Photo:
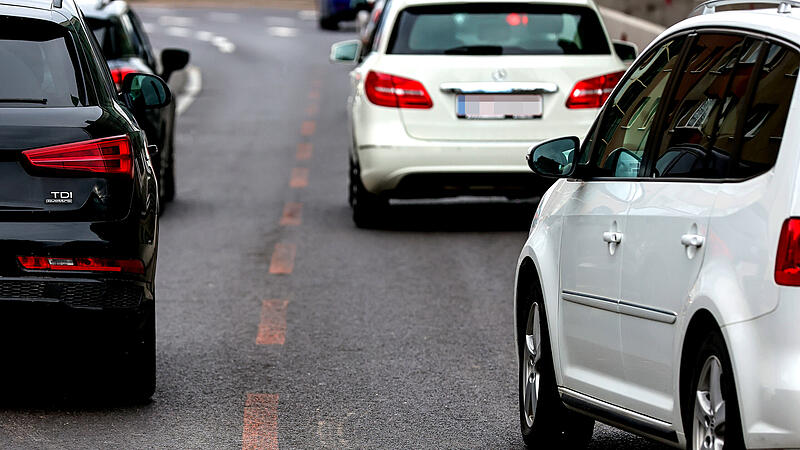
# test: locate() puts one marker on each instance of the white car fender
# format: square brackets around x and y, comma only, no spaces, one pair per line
[543,248]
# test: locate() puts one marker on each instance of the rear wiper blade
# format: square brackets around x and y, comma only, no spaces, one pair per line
[475,50]
[41,101]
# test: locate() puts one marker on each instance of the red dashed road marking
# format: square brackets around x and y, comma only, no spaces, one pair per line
[272,329]
[260,430]
[308,128]
[304,150]
[312,110]
[292,214]
[282,259]
[313,94]
[299,177]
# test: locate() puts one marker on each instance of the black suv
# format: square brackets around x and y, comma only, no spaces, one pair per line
[127,49]
[78,193]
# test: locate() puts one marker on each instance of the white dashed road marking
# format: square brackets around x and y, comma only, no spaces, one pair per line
[194,84]
[282,31]
[175,21]
[223,44]
[178,31]
[182,27]
[205,36]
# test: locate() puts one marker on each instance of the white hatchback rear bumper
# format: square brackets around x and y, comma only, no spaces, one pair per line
[384,167]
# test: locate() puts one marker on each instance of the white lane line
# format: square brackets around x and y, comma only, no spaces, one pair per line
[205,36]
[282,31]
[307,14]
[224,17]
[150,28]
[223,44]
[175,21]
[194,84]
[178,31]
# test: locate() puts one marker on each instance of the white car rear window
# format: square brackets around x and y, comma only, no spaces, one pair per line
[498,29]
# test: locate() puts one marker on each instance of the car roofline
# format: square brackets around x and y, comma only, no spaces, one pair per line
[407,3]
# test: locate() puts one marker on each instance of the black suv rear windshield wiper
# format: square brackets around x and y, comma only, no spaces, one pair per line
[475,50]
[41,101]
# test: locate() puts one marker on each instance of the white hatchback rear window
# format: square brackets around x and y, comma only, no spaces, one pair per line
[498,29]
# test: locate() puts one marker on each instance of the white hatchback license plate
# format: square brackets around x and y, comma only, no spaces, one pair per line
[499,106]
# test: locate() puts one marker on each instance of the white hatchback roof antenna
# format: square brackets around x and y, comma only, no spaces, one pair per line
[710,7]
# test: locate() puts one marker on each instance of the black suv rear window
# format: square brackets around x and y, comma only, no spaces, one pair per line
[498,29]
[38,65]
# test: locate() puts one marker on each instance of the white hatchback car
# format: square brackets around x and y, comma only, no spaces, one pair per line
[659,289]
[453,92]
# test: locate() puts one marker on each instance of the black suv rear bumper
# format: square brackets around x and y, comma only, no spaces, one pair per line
[73,293]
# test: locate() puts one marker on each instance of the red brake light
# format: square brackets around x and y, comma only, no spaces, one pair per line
[594,92]
[118,74]
[787,262]
[82,264]
[109,155]
[396,92]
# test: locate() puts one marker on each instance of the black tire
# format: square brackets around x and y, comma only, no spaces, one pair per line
[369,209]
[713,347]
[551,425]
[328,23]
[142,361]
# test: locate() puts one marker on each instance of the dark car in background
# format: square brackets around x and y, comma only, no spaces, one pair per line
[127,49]
[331,12]
[78,198]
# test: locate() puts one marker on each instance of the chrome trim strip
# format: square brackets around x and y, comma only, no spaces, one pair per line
[646,312]
[621,307]
[502,87]
[618,416]
[591,301]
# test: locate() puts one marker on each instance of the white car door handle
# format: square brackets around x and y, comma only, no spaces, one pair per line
[612,237]
[692,240]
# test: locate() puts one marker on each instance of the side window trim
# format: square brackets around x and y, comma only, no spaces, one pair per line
[647,170]
[749,96]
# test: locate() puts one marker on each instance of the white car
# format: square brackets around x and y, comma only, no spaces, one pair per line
[659,289]
[452,93]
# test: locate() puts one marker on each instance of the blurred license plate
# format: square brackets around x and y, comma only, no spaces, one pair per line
[487,106]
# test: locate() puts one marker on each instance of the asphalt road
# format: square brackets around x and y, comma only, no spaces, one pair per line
[392,338]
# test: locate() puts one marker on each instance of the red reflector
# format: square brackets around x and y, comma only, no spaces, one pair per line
[594,92]
[119,73]
[396,92]
[787,262]
[82,264]
[110,155]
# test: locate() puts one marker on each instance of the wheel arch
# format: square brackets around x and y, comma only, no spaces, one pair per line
[702,323]
[529,285]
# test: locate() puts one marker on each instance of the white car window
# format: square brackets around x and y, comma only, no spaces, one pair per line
[489,29]
[628,118]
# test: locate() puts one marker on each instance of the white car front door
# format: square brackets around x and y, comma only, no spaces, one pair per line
[595,240]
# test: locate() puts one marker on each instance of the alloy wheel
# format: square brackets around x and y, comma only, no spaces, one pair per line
[709,408]
[531,367]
